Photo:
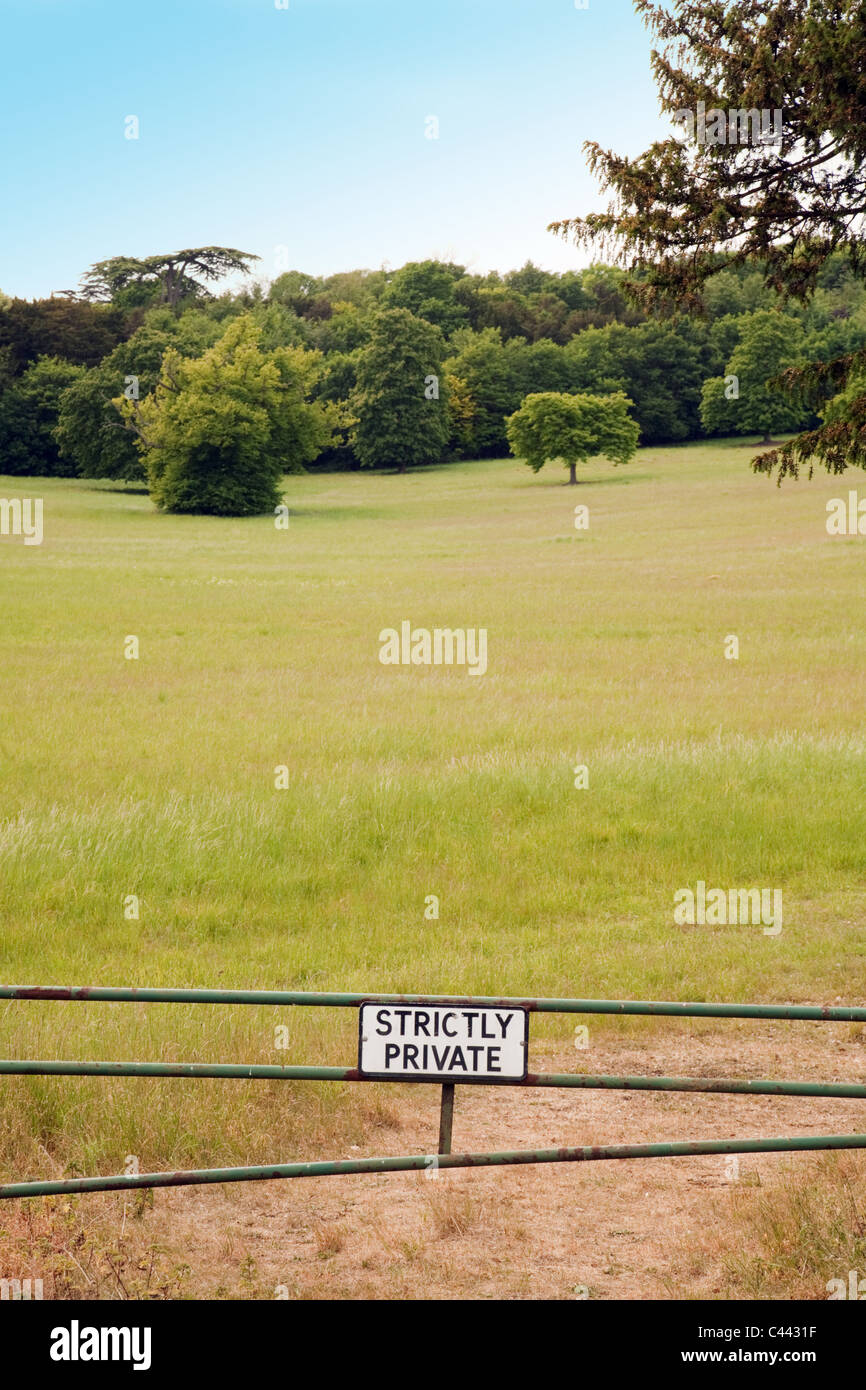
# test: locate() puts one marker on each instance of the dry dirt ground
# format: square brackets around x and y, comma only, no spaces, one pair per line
[608,1230]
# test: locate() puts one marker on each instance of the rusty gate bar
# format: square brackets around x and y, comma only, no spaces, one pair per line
[410,1162]
[87,993]
[251,1071]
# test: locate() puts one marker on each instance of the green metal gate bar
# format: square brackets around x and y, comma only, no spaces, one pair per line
[407,1163]
[87,993]
[444,1159]
[581,1080]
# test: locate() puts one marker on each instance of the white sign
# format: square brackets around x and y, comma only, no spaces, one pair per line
[443,1042]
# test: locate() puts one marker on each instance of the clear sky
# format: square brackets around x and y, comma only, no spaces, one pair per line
[305,128]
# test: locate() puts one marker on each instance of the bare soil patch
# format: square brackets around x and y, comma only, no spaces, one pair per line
[636,1229]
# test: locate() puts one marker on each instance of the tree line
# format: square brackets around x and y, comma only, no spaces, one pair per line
[143,370]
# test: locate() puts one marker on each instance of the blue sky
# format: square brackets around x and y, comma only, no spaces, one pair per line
[305,127]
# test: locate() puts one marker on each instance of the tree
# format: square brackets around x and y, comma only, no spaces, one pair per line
[348,328]
[743,401]
[489,371]
[165,279]
[786,204]
[530,279]
[219,431]
[541,366]
[839,406]
[90,428]
[90,431]
[77,332]
[401,396]
[295,288]
[28,414]
[661,366]
[551,425]
[426,289]
[505,310]
[463,411]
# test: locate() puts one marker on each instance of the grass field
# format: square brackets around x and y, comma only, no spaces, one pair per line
[259,647]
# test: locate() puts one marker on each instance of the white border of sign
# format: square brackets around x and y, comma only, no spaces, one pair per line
[435,1048]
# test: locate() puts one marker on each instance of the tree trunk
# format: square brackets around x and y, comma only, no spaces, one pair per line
[572,474]
[766,439]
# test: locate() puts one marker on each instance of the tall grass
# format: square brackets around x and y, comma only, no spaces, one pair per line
[259,648]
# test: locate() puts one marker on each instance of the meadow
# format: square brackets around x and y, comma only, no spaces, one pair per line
[259,649]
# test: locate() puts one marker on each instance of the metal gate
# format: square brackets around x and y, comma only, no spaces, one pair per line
[444,1158]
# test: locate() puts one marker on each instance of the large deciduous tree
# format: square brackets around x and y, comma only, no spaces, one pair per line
[682,208]
[489,377]
[401,397]
[219,431]
[90,428]
[29,411]
[426,289]
[77,332]
[743,401]
[551,426]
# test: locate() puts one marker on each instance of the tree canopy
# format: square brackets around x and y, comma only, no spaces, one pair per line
[743,401]
[551,426]
[400,399]
[554,332]
[786,205]
[219,431]
[164,279]
[28,415]
[734,74]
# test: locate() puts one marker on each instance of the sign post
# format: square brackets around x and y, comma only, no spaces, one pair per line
[446,1118]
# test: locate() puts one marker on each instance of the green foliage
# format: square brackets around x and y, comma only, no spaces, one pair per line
[90,429]
[165,279]
[400,422]
[787,204]
[281,327]
[426,289]
[551,425]
[90,432]
[363,288]
[769,342]
[839,406]
[28,415]
[790,205]
[347,328]
[491,379]
[294,288]
[503,337]
[79,333]
[219,431]
[661,365]
[737,290]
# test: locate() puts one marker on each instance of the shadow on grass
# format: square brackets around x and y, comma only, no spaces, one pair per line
[606,480]
[135,489]
[345,513]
